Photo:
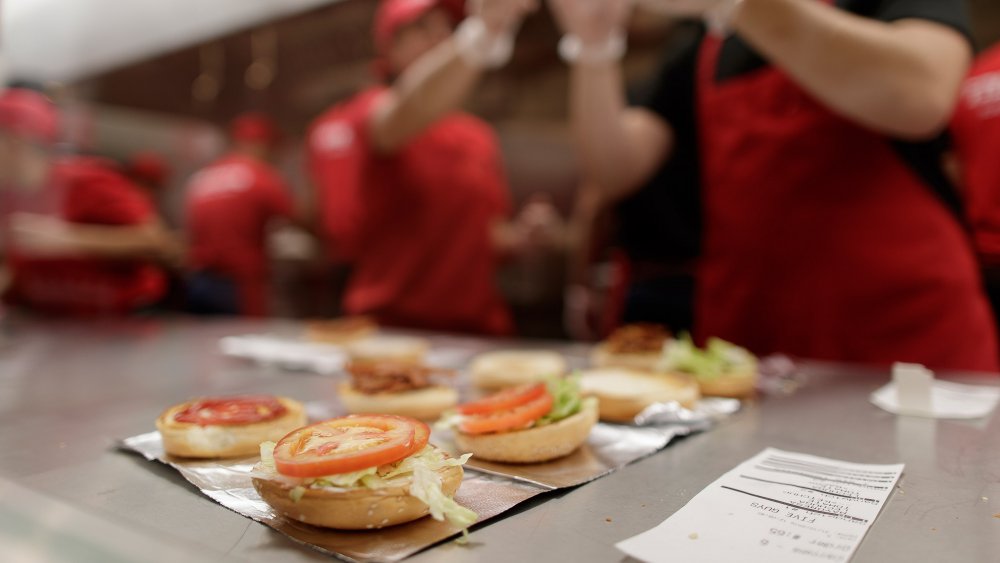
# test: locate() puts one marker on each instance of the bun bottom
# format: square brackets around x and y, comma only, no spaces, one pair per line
[354,509]
[624,393]
[737,385]
[422,404]
[185,439]
[533,445]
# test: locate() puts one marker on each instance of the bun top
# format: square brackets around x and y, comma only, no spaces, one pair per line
[513,367]
[628,383]
[399,348]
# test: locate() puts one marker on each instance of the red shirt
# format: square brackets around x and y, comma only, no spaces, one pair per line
[90,192]
[422,233]
[229,205]
[976,132]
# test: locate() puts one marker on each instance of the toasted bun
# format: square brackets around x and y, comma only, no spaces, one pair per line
[186,439]
[423,404]
[353,509]
[507,368]
[738,384]
[534,444]
[340,331]
[602,357]
[398,348]
[624,393]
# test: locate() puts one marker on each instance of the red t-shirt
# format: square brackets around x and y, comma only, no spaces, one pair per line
[90,192]
[229,205]
[976,131]
[424,252]
[336,160]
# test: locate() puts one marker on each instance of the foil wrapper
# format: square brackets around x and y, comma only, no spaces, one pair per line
[610,446]
[228,483]
[294,354]
[705,413]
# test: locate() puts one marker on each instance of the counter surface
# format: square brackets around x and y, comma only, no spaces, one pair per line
[68,392]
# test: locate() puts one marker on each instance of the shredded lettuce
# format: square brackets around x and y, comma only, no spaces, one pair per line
[449,420]
[267,456]
[566,400]
[426,486]
[422,468]
[347,480]
[718,358]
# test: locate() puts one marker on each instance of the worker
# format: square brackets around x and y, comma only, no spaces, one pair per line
[824,234]
[412,190]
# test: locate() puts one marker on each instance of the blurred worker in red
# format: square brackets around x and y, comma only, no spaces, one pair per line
[149,171]
[975,164]
[412,190]
[229,207]
[827,230]
[82,239]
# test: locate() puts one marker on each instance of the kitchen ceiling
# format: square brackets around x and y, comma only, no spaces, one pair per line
[68,40]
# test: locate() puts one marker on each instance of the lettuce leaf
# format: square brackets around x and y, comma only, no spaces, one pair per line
[267,456]
[718,357]
[422,468]
[566,399]
[426,486]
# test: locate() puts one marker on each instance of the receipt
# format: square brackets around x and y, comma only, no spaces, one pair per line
[776,507]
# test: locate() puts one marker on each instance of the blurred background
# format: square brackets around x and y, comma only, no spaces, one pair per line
[168,78]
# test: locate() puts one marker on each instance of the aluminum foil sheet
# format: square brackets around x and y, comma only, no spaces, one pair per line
[610,446]
[228,483]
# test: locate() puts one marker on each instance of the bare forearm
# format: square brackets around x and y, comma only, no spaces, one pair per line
[144,241]
[582,227]
[898,78]
[434,85]
[597,109]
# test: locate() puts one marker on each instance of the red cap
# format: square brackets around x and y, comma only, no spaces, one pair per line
[29,114]
[254,128]
[147,168]
[395,14]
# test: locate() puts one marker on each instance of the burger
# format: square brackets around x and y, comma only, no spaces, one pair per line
[722,369]
[361,472]
[529,423]
[394,387]
[635,346]
[218,427]
[623,393]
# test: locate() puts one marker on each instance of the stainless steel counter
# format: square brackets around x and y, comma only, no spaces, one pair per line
[69,391]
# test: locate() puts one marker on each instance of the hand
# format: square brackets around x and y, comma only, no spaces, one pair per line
[540,224]
[501,17]
[581,312]
[593,21]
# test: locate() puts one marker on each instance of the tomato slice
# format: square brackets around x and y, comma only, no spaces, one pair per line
[232,410]
[349,443]
[513,419]
[505,400]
